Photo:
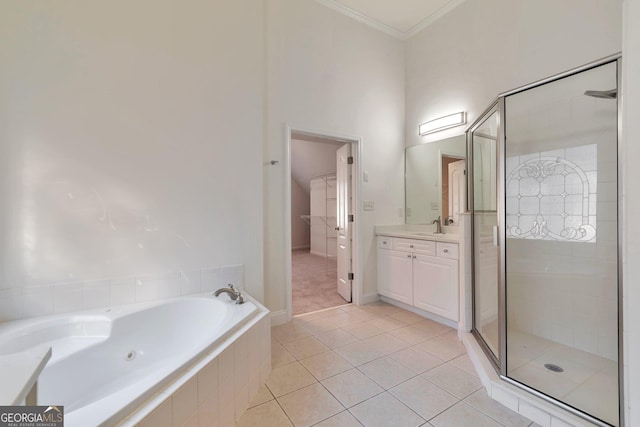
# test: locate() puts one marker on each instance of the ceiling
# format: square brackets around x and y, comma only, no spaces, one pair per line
[399,18]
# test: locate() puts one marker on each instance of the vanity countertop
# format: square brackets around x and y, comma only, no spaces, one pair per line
[418,232]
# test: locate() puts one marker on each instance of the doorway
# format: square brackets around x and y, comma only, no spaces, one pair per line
[453,188]
[321,203]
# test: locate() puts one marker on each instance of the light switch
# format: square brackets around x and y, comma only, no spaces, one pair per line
[368,205]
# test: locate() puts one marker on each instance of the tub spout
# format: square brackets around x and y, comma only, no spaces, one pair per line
[233,294]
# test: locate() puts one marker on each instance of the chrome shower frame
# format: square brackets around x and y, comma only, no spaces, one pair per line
[500,361]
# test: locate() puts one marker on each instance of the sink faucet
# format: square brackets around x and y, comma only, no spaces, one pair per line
[438,225]
[233,294]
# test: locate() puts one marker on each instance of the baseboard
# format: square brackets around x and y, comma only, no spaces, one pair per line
[279,317]
[451,323]
[322,254]
[369,298]
[301,248]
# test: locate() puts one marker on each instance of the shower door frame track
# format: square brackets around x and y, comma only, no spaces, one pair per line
[500,364]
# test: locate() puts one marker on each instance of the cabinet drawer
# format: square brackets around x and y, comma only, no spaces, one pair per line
[418,246]
[384,242]
[447,250]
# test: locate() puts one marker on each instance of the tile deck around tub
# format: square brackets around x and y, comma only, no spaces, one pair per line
[373,365]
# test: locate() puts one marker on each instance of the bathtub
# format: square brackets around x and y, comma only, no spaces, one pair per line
[107,362]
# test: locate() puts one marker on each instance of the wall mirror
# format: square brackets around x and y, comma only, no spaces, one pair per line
[435,184]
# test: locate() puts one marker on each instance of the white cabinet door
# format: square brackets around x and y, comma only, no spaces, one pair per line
[435,289]
[395,275]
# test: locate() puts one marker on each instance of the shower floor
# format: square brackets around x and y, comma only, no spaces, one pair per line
[588,382]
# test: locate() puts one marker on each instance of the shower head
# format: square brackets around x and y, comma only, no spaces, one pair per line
[605,94]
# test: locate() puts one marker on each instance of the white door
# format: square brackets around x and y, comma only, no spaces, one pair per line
[343,182]
[457,190]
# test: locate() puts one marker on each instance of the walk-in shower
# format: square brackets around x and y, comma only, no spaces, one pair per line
[543,185]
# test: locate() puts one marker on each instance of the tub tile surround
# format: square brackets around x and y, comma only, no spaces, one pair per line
[373,377]
[32,301]
[216,390]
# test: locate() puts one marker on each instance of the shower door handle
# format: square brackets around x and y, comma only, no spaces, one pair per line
[495,235]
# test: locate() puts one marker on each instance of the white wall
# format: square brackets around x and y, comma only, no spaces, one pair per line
[300,205]
[329,73]
[631,206]
[310,159]
[484,47]
[131,139]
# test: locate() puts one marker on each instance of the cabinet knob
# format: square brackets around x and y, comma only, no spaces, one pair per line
[414,257]
[409,256]
[411,246]
[446,251]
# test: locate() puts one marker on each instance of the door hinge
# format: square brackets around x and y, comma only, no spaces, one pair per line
[350,160]
[351,218]
[350,276]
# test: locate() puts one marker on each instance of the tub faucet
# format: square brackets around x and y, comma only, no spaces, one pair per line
[233,294]
[438,225]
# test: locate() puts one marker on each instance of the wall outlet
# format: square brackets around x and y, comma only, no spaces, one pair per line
[368,205]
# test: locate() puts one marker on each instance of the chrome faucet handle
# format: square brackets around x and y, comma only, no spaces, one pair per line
[240,299]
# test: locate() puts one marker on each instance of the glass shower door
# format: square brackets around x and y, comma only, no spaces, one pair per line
[483,145]
[561,243]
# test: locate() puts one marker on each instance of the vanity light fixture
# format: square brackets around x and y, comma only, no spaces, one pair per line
[442,123]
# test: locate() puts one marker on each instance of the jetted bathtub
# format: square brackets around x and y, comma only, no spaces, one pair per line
[106,362]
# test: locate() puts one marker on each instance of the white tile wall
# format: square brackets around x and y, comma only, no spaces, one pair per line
[33,301]
[210,280]
[67,298]
[190,282]
[218,391]
[146,288]
[232,274]
[169,285]
[97,294]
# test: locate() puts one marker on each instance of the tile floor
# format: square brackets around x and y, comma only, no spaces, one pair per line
[374,365]
[588,382]
[314,282]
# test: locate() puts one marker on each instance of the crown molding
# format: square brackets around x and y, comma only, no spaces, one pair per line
[338,7]
[354,14]
[432,18]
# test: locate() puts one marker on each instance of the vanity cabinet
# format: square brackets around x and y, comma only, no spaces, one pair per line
[420,273]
